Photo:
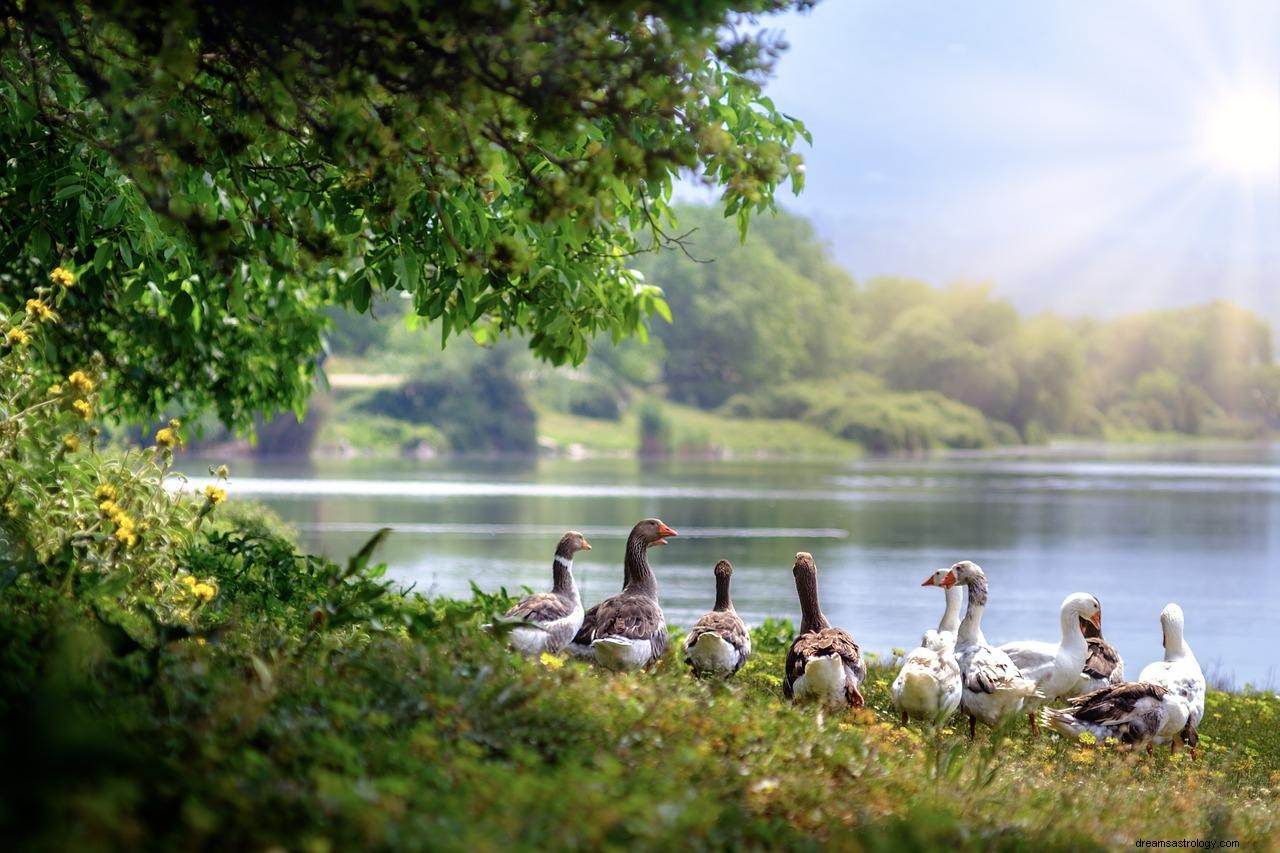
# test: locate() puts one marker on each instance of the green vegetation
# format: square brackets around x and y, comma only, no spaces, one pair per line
[769,336]
[216,175]
[173,673]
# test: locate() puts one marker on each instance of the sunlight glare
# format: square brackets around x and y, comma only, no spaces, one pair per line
[1241,135]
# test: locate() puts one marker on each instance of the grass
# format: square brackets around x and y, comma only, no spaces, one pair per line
[697,432]
[434,737]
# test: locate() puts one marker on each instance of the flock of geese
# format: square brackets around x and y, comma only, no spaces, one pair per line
[953,668]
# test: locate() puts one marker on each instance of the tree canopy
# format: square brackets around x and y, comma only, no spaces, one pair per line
[216,173]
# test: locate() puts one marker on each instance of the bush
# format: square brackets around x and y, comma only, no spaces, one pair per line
[479,409]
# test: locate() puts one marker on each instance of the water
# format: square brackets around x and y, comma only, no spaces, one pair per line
[1136,527]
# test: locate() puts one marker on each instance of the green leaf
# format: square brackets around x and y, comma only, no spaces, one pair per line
[181,306]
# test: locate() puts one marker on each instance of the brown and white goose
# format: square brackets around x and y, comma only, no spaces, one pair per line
[993,688]
[629,631]
[1103,666]
[1137,713]
[824,663]
[554,616]
[718,643]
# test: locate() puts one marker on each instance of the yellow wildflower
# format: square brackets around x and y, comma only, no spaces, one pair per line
[63,276]
[1084,756]
[223,472]
[109,507]
[201,641]
[204,592]
[215,495]
[106,492]
[166,438]
[83,409]
[55,389]
[71,442]
[10,508]
[174,423]
[1088,738]
[18,337]
[188,581]
[81,382]
[551,661]
[39,309]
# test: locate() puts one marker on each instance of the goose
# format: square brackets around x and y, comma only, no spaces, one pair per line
[928,685]
[629,630]
[554,616]
[1055,667]
[580,645]
[993,688]
[1103,667]
[824,663]
[718,643]
[1179,672]
[950,621]
[1133,713]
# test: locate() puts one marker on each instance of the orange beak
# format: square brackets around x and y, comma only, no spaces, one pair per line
[586,546]
[664,532]
[949,581]
[928,581]
[1097,620]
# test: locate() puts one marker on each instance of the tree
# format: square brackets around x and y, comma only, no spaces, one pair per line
[219,172]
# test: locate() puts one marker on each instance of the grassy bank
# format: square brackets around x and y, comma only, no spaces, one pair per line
[339,715]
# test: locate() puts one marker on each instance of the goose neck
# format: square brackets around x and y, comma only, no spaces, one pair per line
[951,612]
[811,616]
[636,574]
[723,601]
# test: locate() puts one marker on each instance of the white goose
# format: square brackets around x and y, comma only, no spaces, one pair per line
[1179,672]
[928,686]
[1137,713]
[1056,667]
[993,688]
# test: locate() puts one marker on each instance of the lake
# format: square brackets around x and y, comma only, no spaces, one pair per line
[1137,527]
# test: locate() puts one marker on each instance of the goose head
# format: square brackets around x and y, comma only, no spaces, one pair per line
[938,578]
[1085,607]
[723,569]
[1171,624]
[573,542]
[963,572]
[653,532]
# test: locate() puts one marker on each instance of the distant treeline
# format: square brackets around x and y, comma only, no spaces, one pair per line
[774,328]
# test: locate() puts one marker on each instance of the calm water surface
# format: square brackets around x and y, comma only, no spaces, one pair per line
[1136,527]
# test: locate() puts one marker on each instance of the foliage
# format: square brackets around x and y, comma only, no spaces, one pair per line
[654,429]
[101,528]
[751,316]
[480,409]
[218,173]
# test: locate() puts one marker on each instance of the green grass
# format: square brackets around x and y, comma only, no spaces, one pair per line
[698,432]
[432,736]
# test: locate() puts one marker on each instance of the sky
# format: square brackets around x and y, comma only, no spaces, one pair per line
[1084,157]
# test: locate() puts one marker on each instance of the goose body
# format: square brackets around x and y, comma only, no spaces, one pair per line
[1179,672]
[718,643]
[1055,667]
[824,664]
[553,617]
[992,686]
[1136,713]
[928,686]
[629,630]
[1103,666]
